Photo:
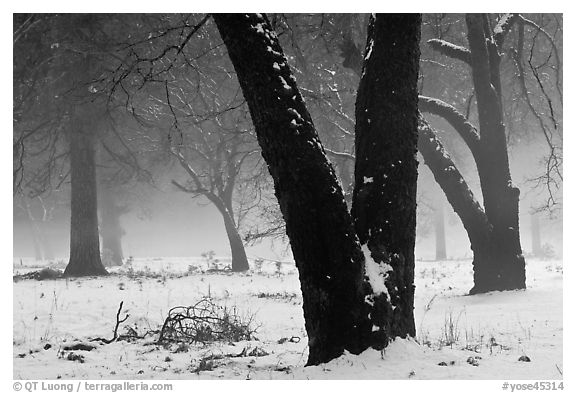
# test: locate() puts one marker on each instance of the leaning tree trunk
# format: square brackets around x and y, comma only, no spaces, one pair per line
[84,239]
[239,259]
[506,269]
[111,230]
[324,245]
[440,231]
[386,171]
[458,194]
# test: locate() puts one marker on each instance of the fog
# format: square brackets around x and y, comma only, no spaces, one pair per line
[172,224]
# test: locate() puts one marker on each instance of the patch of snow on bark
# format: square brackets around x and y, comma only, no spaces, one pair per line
[377,273]
[285,85]
[369,51]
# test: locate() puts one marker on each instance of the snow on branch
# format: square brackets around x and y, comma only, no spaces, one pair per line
[504,26]
[464,128]
[452,183]
[451,50]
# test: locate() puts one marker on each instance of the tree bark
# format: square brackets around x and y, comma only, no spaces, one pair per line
[386,171]
[323,242]
[111,230]
[446,173]
[84,239]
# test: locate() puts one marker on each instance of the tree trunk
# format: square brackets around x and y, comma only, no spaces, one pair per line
[506,270]
[440,231]
[324,245]
[84,239]
[458,194]
[386,171]
[445,172]
[239,259]
[111,230]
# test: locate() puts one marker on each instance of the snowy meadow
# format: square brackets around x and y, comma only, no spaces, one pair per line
[498,335]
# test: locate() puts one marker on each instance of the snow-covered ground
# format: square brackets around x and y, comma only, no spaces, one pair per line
[459,336]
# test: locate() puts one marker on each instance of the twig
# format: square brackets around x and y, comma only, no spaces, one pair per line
[118,322]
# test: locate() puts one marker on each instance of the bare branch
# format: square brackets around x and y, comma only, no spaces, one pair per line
[451,50]
[458,121]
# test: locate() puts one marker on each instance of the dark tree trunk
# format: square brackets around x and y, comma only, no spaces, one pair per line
[239,259]
[111,230]
[535,231]
[386,171]
[322,238]
[440,231]
[458,194]
[506,270]
[445,172]
[84,239]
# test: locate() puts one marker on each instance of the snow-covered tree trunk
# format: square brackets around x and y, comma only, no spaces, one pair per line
[386,171]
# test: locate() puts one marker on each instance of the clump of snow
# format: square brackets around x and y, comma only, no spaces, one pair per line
[368,180]
[369,51]
[259,28]
[285,85]
[377,273]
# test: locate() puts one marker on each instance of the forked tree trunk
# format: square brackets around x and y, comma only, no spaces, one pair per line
[84,240]
[338,302]
[386,171]
[440,231]
[506,269]
[111,230]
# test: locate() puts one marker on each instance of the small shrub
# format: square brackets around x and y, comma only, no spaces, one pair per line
[206,322]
